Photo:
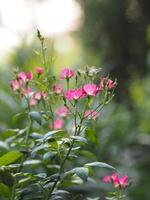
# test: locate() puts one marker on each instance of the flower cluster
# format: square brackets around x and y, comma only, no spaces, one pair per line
[118,182]
[21,85]
[89,90]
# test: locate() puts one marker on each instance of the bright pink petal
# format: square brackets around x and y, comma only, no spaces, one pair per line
[67,73]
[107,179]
[90,89]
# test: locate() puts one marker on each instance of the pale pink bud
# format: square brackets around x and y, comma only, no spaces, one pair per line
[111,84]
[58,88]
[38,96]
[15,85]
[39,70]
[44,95]
[67,73]
[33,102]
[26,91]
[90,89]
[91,114]
[62,112]
[105,81]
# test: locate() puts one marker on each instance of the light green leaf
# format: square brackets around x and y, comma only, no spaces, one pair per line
[9,133]
[79,138]
[99,164]
[10,157]
[49,135]
[24,103]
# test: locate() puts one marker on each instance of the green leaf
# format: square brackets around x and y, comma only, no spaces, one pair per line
[5,191]
[49,135]
[9,133]
[18,117]
[41,85]
[92,136]
[49,155]
[99,164]
[10,157]
[24,103]
[82,172]
[3,146]
[54,146]
[79,138]
[36,116]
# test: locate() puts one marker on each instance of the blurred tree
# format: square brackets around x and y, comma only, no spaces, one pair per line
[116,31]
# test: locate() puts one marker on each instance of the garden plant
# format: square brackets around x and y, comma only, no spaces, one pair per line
[39,160]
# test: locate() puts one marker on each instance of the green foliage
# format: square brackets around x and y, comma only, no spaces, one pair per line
[10,157]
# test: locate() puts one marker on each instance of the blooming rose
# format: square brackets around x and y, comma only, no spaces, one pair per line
[67,73]
[74,94]
[90,89]
[119,182]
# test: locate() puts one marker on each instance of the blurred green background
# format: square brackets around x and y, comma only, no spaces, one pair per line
[111,34]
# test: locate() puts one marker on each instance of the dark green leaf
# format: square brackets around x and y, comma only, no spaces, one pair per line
[36,116]
[4,191]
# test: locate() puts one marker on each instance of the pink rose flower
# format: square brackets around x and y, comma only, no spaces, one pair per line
[22,76]
[67,73]
[90,89]
[29,76]
[58,88]
[15,85]
[39,70]
[58,124]
[62,112]
[74,94]
[25,76]
[91,114]
[118,182]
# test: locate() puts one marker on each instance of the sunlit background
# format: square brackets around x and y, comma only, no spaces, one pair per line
[19,20]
